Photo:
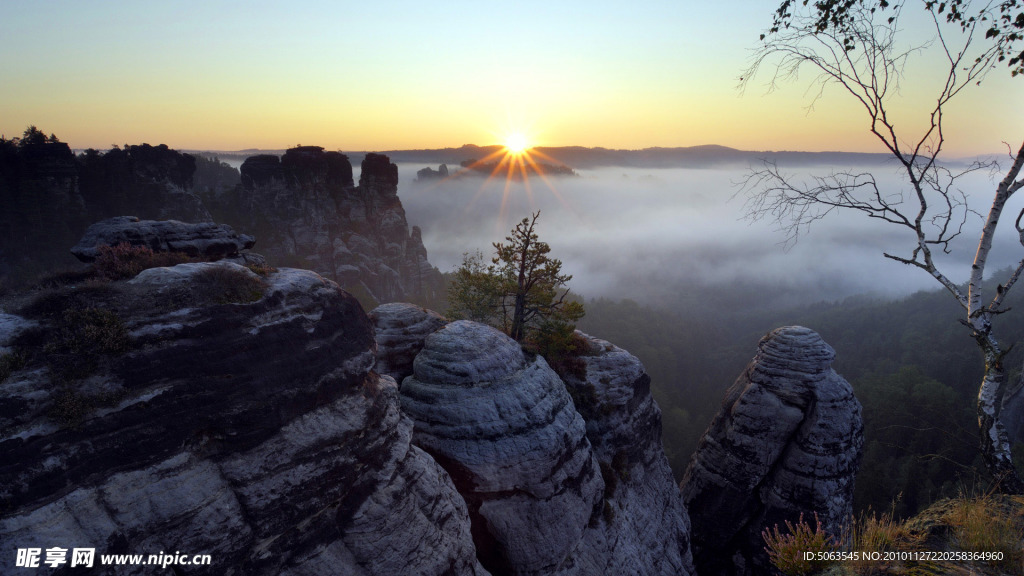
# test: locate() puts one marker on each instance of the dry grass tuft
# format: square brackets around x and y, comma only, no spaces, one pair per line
[787,548]
[126,260]
[990,524]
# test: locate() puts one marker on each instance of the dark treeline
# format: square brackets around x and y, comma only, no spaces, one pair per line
[48,195]
[913,367]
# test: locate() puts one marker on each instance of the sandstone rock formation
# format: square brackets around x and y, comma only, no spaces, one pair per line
[504,427]
[305,208]
[645,527]
[549,492]
[787,441]
[205,239]
[245,425]
[401,329]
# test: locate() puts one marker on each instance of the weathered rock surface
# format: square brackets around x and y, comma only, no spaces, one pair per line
[645,528]
[254,432]
[503,426]
[787,441]
[205,239]
[306,209]
[401,329]
[11,325]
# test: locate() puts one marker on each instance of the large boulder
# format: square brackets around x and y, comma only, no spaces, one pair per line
[244,424]
[787,442]
[204,239]
[503,426]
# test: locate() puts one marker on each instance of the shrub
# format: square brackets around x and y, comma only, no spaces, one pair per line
[786,548]
[9,363]
[52,304]
[226,285]
[125,260]
[65,277]
[69,408]
[81,338]
[561,346]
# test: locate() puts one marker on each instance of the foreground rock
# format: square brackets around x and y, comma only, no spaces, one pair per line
[240,423]
[205,239]
[787,442]
[504,427]
[644,527]
[549,491]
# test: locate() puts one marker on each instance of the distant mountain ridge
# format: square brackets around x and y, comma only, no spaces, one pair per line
[583,157]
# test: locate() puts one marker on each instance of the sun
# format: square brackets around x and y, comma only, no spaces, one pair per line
[516,143]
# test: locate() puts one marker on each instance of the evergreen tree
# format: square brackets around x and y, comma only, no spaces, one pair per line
[522,291]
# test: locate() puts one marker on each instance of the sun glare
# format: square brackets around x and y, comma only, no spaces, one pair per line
[520,165]
[516,143]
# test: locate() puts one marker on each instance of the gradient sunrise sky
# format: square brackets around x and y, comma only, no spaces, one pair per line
[395,75]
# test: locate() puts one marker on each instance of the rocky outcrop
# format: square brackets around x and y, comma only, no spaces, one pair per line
[787,442]
[549,491]
[306,209]
[243,424]
[504,427]
[400,331]
[205,239]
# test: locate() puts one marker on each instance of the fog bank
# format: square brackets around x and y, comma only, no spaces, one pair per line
[670,235]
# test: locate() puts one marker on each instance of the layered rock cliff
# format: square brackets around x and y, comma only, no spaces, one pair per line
[307,212]
[151,415]
[787,442]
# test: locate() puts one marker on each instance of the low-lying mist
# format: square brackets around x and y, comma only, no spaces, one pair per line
[677,236]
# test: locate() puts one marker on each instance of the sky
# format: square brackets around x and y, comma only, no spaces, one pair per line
[218,75]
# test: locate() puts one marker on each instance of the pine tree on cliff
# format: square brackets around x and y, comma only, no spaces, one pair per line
[521,292]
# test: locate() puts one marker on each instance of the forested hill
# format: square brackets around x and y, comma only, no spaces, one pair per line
[913,366]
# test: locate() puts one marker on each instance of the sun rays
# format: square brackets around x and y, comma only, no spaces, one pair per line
[516,162]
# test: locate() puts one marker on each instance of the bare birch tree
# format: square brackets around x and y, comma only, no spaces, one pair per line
[860,54]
